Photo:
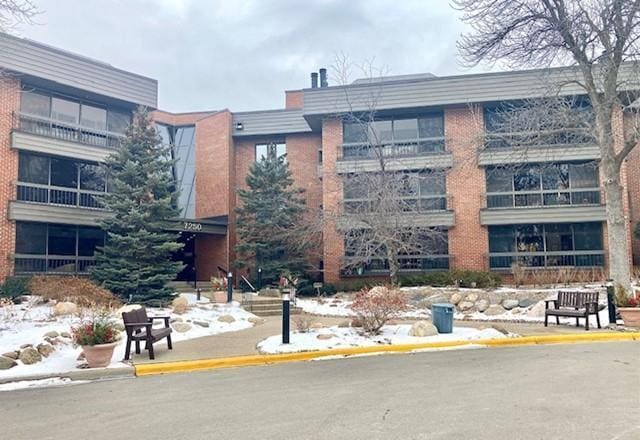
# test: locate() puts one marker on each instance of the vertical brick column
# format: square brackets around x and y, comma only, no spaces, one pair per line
[9,103]
[468,240]
[331,199]
[633,190]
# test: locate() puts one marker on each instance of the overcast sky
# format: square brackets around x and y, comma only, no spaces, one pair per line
[242,54]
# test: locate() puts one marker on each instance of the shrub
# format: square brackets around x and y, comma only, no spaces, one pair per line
[81,291]
[14,287]
[303,323]
[305,288]
[624,298]
[375,307]
[99,329]
[356,284]
[465,278]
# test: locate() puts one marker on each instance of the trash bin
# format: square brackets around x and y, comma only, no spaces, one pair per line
[442,315]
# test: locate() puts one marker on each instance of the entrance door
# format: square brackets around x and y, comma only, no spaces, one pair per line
[187,256]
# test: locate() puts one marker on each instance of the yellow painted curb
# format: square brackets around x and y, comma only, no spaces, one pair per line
[243,361]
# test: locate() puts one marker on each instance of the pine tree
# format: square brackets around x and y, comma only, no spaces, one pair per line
[135,262]
[270,220]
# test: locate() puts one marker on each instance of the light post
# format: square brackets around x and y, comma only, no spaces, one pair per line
[285,316]
[229,287]
[611,304]
[259,278]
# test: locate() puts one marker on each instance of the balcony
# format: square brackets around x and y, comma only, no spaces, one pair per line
[353,266]
[66,132]
[56,195]
[549,259]
[26,264]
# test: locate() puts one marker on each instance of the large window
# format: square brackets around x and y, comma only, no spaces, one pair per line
[60,181]
[546,245]
[263,150]
[394,137]
[42,247]
[412,191]
[543,185]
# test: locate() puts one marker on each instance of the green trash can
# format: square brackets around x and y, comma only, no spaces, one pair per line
[442,316]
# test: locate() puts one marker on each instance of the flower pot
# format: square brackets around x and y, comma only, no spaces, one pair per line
[99,355]
[630,316]
[220,296]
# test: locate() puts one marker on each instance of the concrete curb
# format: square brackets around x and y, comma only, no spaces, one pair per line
[86,374]
[244,361]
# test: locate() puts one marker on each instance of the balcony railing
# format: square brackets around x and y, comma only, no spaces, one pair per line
[27,264]
[424,204]
[549,259]
[65,131]
[56,195]
[352,266]
[408,148]
[556,197]
[546,138]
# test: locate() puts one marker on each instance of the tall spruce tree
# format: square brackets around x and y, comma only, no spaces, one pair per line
[135,262]
[270,220]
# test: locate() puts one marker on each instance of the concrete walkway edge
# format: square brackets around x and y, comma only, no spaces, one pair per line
[243,361]
[86,374]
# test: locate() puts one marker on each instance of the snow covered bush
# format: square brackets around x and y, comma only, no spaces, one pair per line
[81,291]
[375,307]
[303,323]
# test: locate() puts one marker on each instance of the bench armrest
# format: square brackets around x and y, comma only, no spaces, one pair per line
[134,325]
[165,318]
[547,301]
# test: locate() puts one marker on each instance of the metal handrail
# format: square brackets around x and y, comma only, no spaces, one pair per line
[77,192]
[448,198]
[394,148]
[582,138]
[597,201]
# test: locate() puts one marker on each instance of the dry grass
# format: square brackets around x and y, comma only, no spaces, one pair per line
[81,291]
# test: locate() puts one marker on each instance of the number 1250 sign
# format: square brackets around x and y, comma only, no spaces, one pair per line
[189,226]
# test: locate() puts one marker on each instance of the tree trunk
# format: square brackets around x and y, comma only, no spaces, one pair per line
[619,270]
[392,257]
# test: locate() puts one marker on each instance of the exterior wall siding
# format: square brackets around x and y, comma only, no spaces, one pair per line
[333,241]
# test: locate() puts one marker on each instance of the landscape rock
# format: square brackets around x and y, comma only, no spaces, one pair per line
[45,349]
[181,327]
[316,325]
[23,346]
[509,304]
[66,335]
[65,308]
[51,334]
[324,336]
[439,298]
[6,363]
[127,308]
[176,319]
[472,297]
[423,328]
[202,323]
[180,305]
[501,329]
[226,318]
[526,302]
[537,311]
[344,324]
[11,355]
[465,305]
[482,305]
[30,356]
[455,298]
[494,310]
[255,320]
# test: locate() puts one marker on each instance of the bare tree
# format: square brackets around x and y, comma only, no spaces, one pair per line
[599,38]
[13,12]
[384,200]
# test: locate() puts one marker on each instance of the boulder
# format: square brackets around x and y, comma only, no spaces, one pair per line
[324,336]
[455,298]
[501,329]
[30,356]
[255,320]
[510,303]
[537,311]
[316,325]
[45,349]
[344,324]
[526,302]
[65,308]
[423,328]
[11,355]
[494,310]
[180,305]
[201,323]
[23,346]
[482,305]
[226,318]
[66,335]
[176,319]
[439,298]
[465,305]
[6,363]
[51,334]
[472,297]
[181,327]
[127,308]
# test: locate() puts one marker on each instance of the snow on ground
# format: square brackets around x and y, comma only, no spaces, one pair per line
[525,315]
[40,383]
[342,307]
[351,337]
[27,324]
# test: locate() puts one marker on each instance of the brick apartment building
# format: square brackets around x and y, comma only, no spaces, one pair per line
[61,114]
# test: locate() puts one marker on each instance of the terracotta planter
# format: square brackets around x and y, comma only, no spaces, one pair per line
[630,316]
[98,355]
[220,296]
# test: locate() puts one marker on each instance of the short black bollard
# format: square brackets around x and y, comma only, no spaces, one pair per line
[611,302]
[198,294]
[285,318]
[259,278]
[229,287]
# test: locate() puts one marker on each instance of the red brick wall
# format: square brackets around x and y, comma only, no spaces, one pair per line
[9,102]
[331,199]
[468,240]
[180,118]
[633,188]
[293,99]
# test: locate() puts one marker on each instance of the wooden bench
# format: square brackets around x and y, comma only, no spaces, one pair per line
[573,304]
[139,327]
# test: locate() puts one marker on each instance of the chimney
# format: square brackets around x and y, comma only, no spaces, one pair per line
[323,77]
[314,80]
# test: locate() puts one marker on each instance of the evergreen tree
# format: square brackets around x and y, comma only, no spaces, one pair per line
[135,262]
[270,220]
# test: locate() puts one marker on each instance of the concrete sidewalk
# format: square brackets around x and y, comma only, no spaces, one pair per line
[244,342]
